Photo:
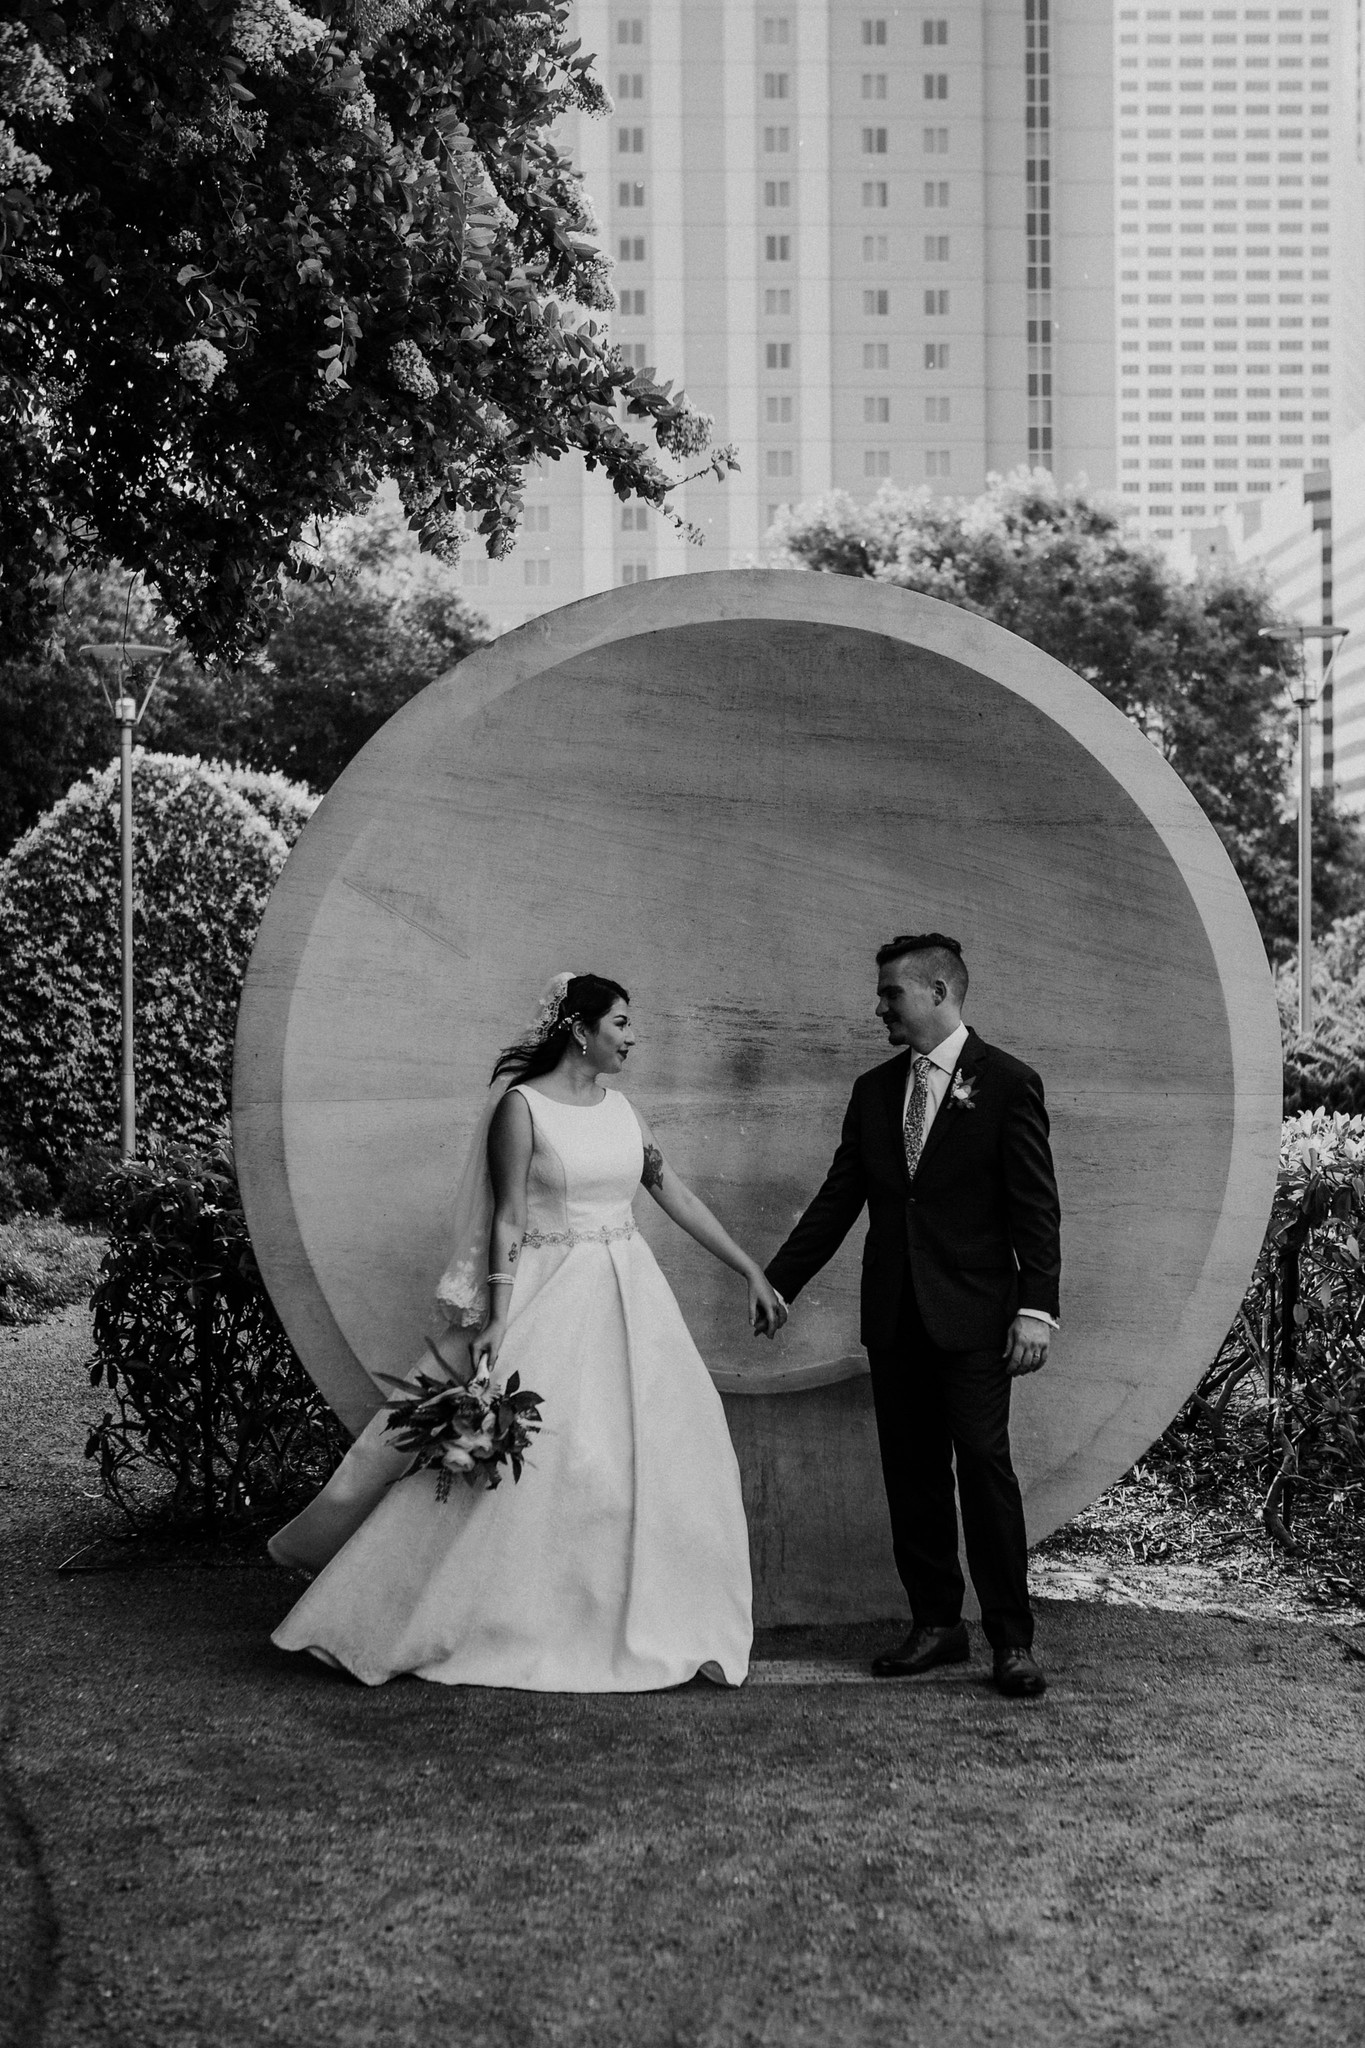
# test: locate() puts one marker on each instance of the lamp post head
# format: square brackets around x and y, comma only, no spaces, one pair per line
[119,655]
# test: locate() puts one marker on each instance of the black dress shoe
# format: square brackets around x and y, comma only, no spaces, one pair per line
[1017,1675]
[922,1649]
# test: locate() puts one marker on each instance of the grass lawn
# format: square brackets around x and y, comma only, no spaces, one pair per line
[206,1842]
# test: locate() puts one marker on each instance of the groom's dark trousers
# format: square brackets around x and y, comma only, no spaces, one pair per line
[950,1258]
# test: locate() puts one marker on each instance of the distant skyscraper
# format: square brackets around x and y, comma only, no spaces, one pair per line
[875,242]
[1241,258]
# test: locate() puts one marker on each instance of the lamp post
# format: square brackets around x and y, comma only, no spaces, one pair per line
[117,655]
[1296,635]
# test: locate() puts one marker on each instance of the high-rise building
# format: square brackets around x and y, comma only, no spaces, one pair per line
[1241,250]
[875,242]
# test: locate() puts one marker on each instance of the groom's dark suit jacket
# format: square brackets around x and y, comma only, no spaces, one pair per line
[978,1230]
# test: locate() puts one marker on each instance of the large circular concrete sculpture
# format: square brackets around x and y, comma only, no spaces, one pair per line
[725,791]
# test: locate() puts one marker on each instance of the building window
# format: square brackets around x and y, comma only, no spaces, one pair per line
[935,355]
[937,411]
[536,572]
[936,85]
[777,192]
[778,355]
[630,141]
[875,192]
[936,191]
[776,28]
[777,248]
[631,249]
[876,355]
[777,301]
[936,142]
[936,31]
[634,518]
[874,85]
[936,248]
[630,31]
[875,248]
[938,462]
[633,354]
[876,462]
[474,572]
[779,462]
[874,32]
[876,303]
[876,411]
[633,304]
[776,141]
[1038,226]
[779,411]
[630,85]
[537,519]
[874,142]
[935,303]
[630,195]
[635,572]
[776,85]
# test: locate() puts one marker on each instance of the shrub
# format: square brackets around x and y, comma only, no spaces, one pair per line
[214,1420]
[44,1265]
[1326,1070]
[206,854]
[1290,1377]
[88,1191]
[22,1187]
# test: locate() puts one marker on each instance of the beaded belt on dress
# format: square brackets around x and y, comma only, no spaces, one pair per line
[606,1233]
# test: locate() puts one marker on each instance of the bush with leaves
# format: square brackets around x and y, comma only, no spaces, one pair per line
[214,1421]
[1289,1381]
[257,256]
[1326,1069]
[208,846]
[24,1189]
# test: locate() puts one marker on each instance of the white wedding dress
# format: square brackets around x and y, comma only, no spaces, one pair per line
[620,1563]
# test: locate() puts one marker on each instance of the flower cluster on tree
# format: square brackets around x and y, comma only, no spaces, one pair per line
[257,256]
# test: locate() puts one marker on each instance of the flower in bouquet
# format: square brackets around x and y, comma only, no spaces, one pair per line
[466,1425]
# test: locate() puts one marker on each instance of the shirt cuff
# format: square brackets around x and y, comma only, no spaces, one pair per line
[1040,1315]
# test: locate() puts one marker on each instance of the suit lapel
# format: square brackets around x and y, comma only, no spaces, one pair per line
[949,1111]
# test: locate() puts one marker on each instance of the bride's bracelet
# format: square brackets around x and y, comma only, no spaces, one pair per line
[506,1279]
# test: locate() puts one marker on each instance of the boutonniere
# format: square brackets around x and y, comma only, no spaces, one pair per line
[963,1092]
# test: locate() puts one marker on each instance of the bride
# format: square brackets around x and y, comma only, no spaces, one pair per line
[621,1561]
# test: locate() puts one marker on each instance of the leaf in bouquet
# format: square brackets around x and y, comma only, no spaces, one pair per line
[513,1383]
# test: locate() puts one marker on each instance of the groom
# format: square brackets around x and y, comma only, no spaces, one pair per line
[947,1147]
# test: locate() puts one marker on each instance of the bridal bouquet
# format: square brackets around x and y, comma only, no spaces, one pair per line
[472,1427]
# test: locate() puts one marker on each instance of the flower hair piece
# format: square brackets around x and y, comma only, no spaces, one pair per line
[550,1006]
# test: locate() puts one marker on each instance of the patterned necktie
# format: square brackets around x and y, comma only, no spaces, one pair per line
[914,1112]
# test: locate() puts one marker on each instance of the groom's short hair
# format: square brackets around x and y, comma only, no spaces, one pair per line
[937,954]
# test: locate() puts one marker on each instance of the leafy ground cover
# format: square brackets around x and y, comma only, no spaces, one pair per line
[208,1843]
[45,1264]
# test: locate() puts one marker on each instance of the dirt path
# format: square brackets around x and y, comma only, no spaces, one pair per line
[208,1845]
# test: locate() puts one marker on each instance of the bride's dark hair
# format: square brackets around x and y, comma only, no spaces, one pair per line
[586,1000]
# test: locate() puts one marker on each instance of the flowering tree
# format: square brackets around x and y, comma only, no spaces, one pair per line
[256,256]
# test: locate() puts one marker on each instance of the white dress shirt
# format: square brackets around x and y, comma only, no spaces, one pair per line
[938,1077]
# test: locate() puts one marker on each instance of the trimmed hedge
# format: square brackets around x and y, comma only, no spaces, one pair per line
[209,842]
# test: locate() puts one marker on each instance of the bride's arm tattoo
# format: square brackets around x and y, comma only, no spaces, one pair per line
[653,1175]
